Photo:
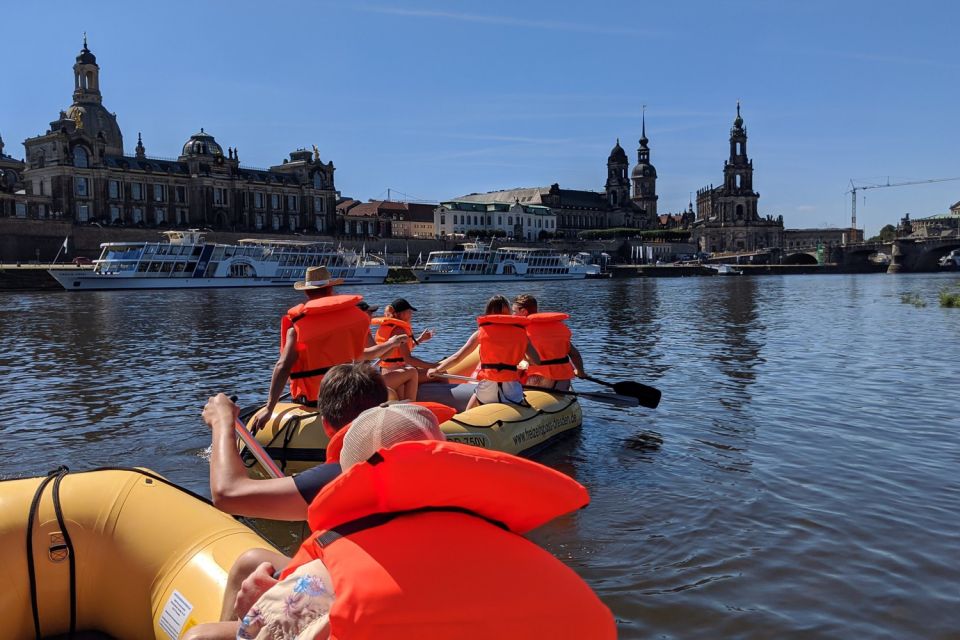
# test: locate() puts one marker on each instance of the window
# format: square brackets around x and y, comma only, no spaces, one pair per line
[159,193]
[291,203]
[510,220]
[276,220]
[83,212]
[114,189]
[80,158]
[274,201]
[292,222]
[159,216]
[258,200]
[181,216]
[219,196]
[21,210]
[114,213]
[180,193]
[136,191]
[499,219]
[319,205]
[443,219]
[137,215]
[81,186]
[318,180]
[41,210]
[321,224]
[258,223]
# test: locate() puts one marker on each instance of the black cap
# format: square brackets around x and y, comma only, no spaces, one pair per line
[401,304]
[363,306]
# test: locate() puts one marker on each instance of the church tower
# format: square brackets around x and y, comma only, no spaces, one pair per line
[645,176]
[740,202]
[618,186]
[86,77]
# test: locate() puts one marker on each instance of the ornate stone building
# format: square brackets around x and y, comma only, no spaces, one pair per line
[78,170]
[727,218]
[11,177]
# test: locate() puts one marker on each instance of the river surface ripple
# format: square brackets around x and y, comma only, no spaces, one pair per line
[800,478]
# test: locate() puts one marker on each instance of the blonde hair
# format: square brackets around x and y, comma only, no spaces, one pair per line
[388,312]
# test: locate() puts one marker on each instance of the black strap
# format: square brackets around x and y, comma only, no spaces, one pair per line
[55,475]
[298,317]
[299,375]
[377,519]
[563,360]
[503,324]
[391,359]
[499,366]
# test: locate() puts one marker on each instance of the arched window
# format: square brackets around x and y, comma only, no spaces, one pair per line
[81,158]
[317,180]
[738,181]
[739,212]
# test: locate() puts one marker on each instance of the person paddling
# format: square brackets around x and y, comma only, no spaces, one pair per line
[395,322]
[325,331]
[502,340]
[559,359]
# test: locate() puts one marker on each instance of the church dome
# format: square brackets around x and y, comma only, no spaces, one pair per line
[617,154]
[86,56]
[644,171]
[202,144]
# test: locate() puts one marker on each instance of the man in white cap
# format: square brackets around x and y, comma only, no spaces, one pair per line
[317,284]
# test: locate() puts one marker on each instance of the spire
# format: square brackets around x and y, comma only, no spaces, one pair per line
[85,41]
[738,123]
[141,152]
[643,131]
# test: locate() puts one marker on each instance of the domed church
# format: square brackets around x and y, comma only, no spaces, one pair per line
[79,170]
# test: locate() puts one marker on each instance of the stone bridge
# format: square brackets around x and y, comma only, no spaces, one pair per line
[907,255]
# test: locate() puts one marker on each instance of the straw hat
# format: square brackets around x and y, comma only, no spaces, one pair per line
[384,426]
[317,278]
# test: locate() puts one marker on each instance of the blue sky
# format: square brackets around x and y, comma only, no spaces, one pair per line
[437,99]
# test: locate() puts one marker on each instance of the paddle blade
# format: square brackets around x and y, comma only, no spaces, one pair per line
[608,398]
[646,395]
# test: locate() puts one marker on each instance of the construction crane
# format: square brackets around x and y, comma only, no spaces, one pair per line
[854,188]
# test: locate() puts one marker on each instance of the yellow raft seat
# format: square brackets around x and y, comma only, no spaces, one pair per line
[295,438]
[148,559]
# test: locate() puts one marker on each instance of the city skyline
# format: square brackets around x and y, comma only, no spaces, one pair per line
[421,116]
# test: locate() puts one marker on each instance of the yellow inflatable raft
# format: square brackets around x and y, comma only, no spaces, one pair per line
[294,437]
[123,552]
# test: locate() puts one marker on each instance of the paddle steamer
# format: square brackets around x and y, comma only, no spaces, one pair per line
[478,262]
[185,261]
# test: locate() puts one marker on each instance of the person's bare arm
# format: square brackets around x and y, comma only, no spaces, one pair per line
[577,361]
[278,379]
[374,352]
[409,358]
[231,489]
[456,358]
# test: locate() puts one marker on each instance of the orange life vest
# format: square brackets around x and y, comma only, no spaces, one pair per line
[503,342]
[423,520]
[551,338]
[330,331]
[393,359]
[335,446]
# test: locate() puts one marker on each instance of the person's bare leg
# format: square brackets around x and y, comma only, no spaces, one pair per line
[213,631]
[243,567]
[403,381]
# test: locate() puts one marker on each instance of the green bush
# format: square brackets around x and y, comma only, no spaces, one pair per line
[950,299]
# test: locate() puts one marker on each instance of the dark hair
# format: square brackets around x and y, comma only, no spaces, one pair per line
[526,302]
[348,390]
[497,305]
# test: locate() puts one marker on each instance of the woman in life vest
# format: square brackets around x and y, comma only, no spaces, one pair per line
[325,331]
[502,340]
[387,547]
[401,383]
[399,362]
[559,359]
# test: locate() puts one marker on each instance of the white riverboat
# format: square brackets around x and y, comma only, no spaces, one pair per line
[186,261]
[478,262]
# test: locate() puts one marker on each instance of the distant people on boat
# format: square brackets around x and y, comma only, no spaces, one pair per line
[378,563]
[559,359]
[325,331]
[502,342]
[395,322]
[348,390]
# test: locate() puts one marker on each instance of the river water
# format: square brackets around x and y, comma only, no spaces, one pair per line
[801,477]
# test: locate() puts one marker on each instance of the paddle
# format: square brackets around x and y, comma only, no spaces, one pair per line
[606,398]
[646,395]
[259,453]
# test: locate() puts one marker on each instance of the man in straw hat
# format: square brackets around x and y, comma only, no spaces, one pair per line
[316,284]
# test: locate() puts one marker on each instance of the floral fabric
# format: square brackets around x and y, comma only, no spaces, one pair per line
[296,608]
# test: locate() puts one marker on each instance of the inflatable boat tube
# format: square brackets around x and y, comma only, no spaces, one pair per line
[121,551]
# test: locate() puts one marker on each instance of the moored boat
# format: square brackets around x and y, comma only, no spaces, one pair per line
[478,262]
[186,261]
[123,550]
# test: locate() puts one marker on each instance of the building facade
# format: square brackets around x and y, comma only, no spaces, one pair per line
[462,219]
[727,218]
[811,239]
[11,181]
[78,170]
